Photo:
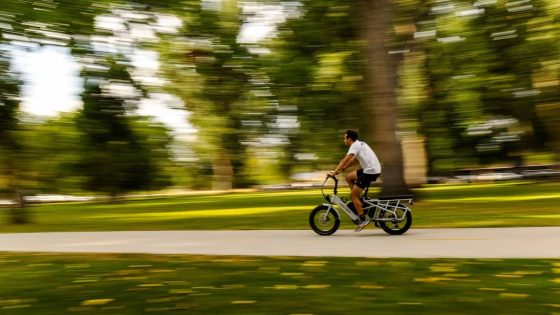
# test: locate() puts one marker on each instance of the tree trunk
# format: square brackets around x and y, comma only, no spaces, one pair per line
[18,212]
[222,169]
[381,84]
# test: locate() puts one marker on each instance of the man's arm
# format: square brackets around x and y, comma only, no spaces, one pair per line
[348,160]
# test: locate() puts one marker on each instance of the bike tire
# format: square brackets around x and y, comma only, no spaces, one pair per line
[324,226]
[390,228]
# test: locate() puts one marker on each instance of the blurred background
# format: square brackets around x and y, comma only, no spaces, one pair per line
[112,97]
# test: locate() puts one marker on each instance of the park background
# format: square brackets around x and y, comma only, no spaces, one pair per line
[214,115]
[233,94]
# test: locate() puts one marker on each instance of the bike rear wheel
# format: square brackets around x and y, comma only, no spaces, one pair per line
[394,226]
[324,223]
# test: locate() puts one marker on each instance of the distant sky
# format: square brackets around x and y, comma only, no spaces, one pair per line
[51,80]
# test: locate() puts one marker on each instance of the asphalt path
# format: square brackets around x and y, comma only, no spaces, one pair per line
[539,242]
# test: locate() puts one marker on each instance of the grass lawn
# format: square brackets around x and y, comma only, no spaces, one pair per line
[482,205]
[177,284]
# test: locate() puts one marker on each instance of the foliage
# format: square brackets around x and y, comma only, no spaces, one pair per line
[52,154]
[215,76]
[56,154]
[485,61]
[9,108]
[316,71]
[114,161]
[265,109]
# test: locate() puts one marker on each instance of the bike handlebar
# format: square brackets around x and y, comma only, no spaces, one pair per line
[335,186]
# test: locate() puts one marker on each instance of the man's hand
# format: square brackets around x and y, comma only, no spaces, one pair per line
[331,174]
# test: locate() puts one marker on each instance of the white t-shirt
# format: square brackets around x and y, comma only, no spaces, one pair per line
[367,158]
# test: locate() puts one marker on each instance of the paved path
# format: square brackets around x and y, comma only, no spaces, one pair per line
[419,243]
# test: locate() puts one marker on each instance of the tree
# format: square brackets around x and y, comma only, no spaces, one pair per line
[381,87]
[337,68]
[115,159]
[486,62]
[210,71]
[52,154]
[315,69]
[10,147]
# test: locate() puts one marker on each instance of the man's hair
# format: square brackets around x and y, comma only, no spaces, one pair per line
[351,134]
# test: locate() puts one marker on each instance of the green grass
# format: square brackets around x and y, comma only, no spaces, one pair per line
[489,205]
[177,284]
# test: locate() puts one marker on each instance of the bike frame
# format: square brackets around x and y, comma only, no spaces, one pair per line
[378,206]
[334,199]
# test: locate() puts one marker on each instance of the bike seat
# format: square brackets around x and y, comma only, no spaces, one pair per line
[396,197]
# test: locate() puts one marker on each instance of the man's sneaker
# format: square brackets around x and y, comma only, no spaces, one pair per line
[362,225]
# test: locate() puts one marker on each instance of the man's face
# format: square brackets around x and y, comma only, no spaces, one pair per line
[347,141]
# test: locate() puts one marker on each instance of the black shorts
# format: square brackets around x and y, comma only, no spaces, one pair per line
[365,179]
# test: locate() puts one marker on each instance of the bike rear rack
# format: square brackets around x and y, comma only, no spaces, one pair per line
[387,204]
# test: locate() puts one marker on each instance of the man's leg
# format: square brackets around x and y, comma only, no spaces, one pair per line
[363,221]
[351,179]
[355,195]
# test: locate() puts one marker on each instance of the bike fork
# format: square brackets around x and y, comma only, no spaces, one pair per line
[326,215]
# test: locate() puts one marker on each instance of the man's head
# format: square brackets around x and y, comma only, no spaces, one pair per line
[349,137]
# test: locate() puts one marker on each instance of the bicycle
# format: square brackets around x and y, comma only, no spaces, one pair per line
[390,213]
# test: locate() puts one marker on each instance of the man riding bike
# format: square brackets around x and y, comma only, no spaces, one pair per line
[360,179]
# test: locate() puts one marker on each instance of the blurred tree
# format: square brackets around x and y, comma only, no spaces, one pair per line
[544,36]
[55,160]
[316,74]
[336,66]
[10,147]
[332,66]
[481,63]
[156,140]
[381,88]
[115,159]
[118,155]
[29,24]
[212,73]
[52,154]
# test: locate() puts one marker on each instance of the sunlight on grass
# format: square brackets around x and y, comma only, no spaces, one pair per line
[478,223]
[514,295]
[371,287]
[317,286]
[243,302]
[198,214]
[97,302]
[453,187]
[433,279]
[501,198]
[492,289]
[542,216]
[505,204]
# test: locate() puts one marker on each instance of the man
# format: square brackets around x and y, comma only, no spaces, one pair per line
[359,179]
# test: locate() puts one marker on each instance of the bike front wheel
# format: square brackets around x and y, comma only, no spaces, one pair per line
[394,225]
[323,221]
